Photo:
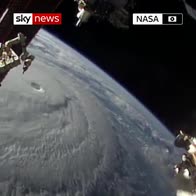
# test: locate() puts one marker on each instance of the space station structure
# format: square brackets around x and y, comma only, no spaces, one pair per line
[8,57]
[190,6]
[114,11]
[187,166]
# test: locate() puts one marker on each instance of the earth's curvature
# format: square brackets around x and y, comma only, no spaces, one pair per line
[68,129]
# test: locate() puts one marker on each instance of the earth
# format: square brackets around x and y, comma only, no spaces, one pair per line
[68,129]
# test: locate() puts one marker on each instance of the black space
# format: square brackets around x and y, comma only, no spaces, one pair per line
[154,63]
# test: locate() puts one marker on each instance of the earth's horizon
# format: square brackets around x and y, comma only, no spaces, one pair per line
[68,129]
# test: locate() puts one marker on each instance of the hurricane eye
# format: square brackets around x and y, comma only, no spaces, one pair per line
[35,85]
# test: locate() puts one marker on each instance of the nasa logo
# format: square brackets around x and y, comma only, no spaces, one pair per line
[147,19]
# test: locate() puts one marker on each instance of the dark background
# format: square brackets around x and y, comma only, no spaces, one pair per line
[154,63]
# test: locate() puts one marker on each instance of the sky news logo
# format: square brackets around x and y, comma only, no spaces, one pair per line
[37,19]
[157,19]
